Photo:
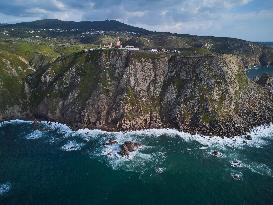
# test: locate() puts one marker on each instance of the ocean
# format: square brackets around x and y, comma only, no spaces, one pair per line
[48,164]
[258,71]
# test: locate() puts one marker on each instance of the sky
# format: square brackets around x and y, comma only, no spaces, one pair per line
[246,19]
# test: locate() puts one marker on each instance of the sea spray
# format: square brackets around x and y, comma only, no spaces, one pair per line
[75,140]
[81,165]
[4,188]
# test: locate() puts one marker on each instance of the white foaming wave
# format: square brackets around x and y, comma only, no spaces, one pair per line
[236,163]
[259,168]
[111,151]
[9,122]
[136,161]
[260,135]
[160,170]
[5,188]
[59,127]
[87,134]
[204,147]
[256,167]
[72,146]
[36,134]
[159,132]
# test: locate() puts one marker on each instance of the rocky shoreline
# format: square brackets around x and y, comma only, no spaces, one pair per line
[116,90]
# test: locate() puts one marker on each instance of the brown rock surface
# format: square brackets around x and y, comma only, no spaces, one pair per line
[119,90]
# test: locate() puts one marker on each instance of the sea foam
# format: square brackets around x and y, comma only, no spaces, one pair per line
[14,122]
[72,146]
[36,134]
[4,188]
[261,136]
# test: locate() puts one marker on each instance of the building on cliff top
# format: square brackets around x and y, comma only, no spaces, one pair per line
[118,43]
[131,48]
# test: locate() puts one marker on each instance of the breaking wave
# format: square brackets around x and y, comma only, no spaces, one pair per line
[157,144]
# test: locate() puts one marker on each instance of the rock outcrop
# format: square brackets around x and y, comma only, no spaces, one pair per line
[122,90]
[128,147]
[266,81]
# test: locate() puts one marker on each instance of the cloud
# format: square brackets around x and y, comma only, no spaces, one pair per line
[201,17]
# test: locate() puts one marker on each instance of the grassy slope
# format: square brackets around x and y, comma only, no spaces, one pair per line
[15,57]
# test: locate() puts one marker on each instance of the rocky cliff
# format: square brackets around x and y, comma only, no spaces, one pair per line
[123,90]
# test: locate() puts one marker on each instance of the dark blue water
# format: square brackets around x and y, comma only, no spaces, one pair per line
[258,71]
[50,164]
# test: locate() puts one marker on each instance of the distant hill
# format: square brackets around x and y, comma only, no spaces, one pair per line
[107,25]
[98,33]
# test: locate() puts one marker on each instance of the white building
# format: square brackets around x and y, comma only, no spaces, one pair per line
[131,48]
[154,50]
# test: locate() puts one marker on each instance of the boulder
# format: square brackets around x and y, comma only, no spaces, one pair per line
[128,147]
[248,137]
[217,153]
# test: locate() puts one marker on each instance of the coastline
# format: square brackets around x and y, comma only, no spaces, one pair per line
[240,139]
[163,152]
[140,91]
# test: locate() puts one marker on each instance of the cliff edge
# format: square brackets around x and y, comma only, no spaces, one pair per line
[130,90]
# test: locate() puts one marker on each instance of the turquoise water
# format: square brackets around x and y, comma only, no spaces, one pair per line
[50,164]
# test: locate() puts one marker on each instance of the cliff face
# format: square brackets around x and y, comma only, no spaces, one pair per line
[13,70]
[122,90]
[251,53]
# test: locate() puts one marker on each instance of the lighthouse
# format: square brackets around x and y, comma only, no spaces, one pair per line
[118,43]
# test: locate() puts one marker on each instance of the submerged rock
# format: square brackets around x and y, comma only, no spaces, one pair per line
[248,137]
[111,142]
[217,153]
[236,163]
[236,177]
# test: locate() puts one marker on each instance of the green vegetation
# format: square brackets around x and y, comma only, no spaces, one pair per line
[28,49]
[132,98]
[88,34]
[206,118]
[195,51]
[89,75]
[61,72]
[16,56]
[13,71]
[242,80]
[179,83]
[11,90]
